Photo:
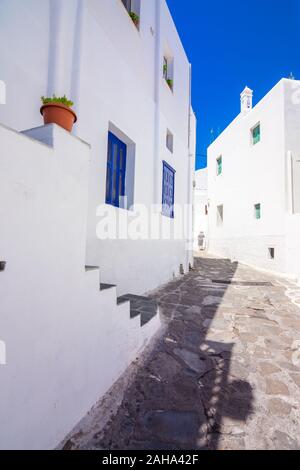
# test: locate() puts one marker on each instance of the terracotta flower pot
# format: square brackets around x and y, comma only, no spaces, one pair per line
[57,113]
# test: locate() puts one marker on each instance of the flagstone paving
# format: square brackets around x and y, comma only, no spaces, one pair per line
[225,373]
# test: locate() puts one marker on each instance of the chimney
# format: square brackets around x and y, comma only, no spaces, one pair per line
[246,100]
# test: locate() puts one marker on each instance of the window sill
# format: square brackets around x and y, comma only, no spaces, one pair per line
[167,216]
[137,28]
[119,208]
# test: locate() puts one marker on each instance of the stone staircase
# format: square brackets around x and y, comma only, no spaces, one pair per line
[139,305]
[89,337]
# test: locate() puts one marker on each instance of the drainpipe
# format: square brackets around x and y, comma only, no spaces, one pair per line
[190,220]
[289,189]
[157,92]
[59,45]
[77,58]
[190,105]
[55,41]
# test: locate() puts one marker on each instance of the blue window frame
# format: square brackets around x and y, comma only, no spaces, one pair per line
[116,170]
[168,190]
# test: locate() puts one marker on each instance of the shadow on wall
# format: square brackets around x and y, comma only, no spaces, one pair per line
[179,399]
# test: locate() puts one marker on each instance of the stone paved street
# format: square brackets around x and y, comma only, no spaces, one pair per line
[225,374]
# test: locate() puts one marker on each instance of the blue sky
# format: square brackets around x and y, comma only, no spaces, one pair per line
[232,44]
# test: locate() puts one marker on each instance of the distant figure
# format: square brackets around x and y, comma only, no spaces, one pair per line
[201,241]
[200,210]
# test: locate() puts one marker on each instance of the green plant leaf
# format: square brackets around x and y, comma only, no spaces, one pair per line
[61,99]
[135,18]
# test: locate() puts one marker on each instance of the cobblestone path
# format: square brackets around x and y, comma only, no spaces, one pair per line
[225,373]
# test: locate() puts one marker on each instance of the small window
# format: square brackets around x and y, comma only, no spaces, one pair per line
[220,215]
[256,134]
[168,70]
[257,211]
[133,8]
[170,141]
[219,165]
[168,191]
[116,170]
[271,252]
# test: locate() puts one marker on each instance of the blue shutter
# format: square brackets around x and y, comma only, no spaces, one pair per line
[116,170]
[168,191]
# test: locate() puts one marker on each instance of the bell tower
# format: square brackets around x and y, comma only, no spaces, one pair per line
[246,100]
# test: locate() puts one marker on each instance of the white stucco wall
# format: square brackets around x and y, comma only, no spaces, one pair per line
[193,150]
[293,245]
[254,174]
[66,342]
[92,52]
[292,182]
[251,174]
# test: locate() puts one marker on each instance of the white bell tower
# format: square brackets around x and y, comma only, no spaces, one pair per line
[246,100]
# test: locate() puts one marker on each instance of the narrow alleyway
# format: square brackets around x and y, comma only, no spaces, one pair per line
[224,375]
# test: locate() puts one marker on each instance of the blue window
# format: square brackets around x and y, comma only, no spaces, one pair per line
[116,170]
[168,191]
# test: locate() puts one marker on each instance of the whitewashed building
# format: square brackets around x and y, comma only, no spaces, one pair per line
[114,72]
[200,211]
[254,181]
[66,341]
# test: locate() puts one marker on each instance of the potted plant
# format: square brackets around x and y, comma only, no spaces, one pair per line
[135,18]
[57,110]
[170,83]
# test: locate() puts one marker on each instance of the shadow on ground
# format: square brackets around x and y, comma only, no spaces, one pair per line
[184,391]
